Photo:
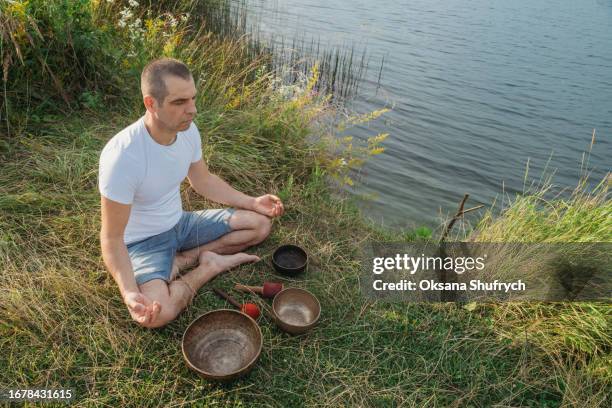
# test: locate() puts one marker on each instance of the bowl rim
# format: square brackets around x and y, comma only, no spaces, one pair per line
[228,375]
[315,320]
[286,246]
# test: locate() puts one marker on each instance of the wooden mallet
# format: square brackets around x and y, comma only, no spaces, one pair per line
[250,309]
[268,290]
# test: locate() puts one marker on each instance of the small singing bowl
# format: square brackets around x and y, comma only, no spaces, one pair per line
[296,310]
[289,259]
[222,344]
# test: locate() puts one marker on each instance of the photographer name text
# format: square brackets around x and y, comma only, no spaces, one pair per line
[431,285]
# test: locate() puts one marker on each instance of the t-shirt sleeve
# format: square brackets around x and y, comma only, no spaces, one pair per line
[118,176]
[197,152]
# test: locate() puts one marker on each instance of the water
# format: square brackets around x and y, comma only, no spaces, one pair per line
[477,88]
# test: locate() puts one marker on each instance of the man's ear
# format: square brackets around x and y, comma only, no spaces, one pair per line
[150,103]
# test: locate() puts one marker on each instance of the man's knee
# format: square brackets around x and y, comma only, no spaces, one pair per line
[251,220]
[263,227]
[165,316]
[157,291]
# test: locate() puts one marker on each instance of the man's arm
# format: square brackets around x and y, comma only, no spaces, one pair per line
[216,189]
[115,255]
[114,251]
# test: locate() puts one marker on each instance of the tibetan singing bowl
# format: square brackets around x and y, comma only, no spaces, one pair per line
[222,345]
[296,310]
[289,260]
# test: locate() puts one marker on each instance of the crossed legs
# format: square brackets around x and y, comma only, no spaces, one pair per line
[248,228]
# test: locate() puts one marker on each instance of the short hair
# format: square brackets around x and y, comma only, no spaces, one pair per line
[153,74]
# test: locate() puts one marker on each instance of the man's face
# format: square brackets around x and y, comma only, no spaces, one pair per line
[178,109]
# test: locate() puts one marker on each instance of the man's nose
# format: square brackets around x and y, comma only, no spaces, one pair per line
[191,109]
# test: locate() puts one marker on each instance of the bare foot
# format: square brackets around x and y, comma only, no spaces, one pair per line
[215,264]
[211,265]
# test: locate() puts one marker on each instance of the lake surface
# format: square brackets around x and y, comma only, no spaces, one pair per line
[477,88]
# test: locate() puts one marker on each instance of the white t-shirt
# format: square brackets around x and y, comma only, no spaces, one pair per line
[135,169]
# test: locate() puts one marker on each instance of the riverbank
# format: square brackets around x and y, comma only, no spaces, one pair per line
[62,321]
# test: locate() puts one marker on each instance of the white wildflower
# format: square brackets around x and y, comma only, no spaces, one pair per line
[133,3]
[126,13]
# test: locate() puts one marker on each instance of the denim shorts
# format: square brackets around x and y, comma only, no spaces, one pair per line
[152,257]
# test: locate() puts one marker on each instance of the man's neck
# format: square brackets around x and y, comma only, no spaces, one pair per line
[158,133]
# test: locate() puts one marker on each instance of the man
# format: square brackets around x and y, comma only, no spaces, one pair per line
[146,237]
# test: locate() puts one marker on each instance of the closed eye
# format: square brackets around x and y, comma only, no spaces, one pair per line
[182,101]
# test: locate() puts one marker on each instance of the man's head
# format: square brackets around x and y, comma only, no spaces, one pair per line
[168,92]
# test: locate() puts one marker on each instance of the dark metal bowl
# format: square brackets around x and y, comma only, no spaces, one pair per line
[222,344]
[296,310]
[289,259]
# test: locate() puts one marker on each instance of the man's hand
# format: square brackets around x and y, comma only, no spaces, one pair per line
[141,308]
[269,205]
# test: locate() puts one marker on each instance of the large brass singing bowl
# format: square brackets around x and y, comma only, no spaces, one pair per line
[296,310]
[222,345]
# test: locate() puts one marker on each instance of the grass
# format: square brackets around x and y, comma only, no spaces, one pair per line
[576,336]
[63,323]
